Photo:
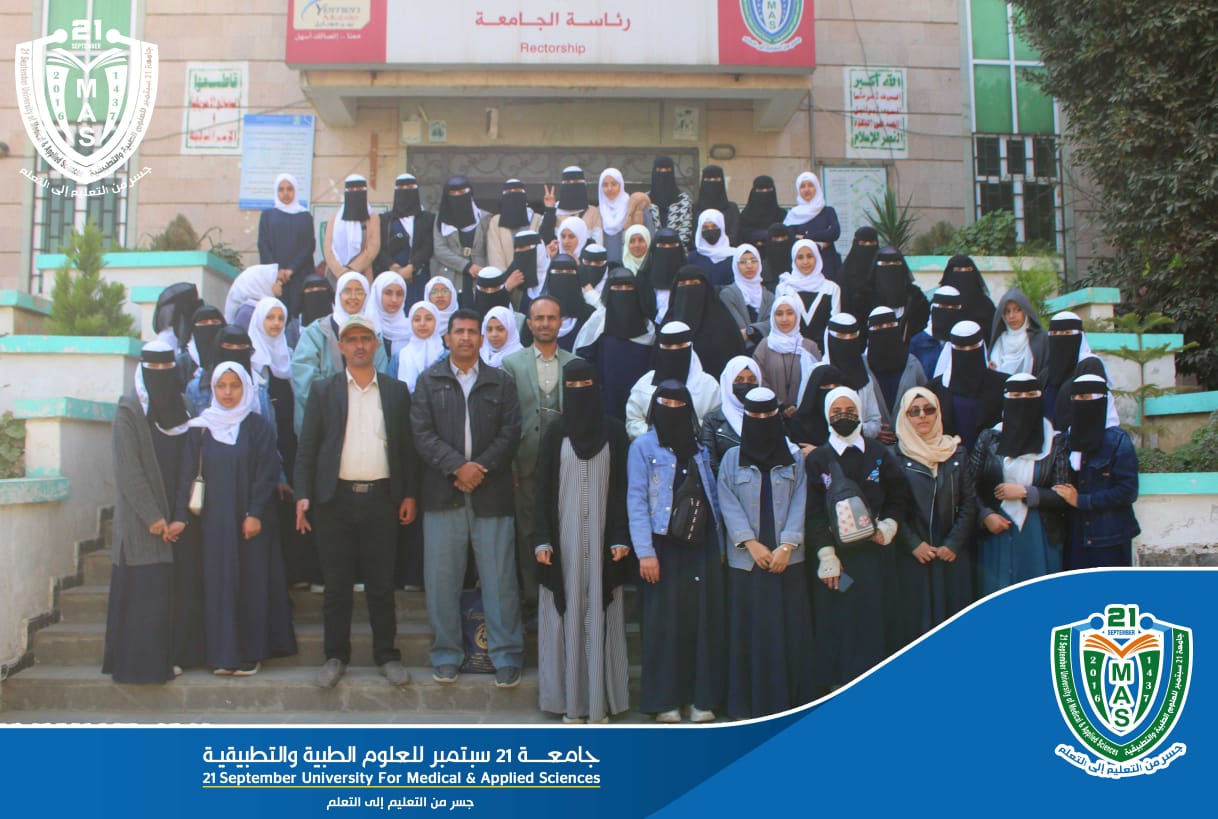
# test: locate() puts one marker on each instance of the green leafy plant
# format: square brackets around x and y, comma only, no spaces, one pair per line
[179,234]
[933,241]
[1200,454]
[1037,277]
[991,235]
[1137,84]
[892,221]
[82,303]
[12,446]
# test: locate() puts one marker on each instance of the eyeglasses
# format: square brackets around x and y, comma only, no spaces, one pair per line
[929,411]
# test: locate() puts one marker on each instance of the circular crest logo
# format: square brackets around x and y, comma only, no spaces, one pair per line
[772,23]
[1121,680]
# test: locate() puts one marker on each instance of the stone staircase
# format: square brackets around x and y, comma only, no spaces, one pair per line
[65,683]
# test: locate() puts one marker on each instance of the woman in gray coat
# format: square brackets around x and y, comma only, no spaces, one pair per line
[460,238]
[746,298]
[148,451]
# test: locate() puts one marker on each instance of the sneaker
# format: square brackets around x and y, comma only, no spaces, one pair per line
[671,716]
[222,672]
[696,714]
[177,671]
[317,588]
[444,674]
[396,673]
[573,720]
[507,677]
[411,587]
[330,673]
[300,585]
[358,587]
[247,670]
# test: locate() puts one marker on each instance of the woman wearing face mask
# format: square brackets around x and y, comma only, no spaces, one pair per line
[1018,344]
[746,298]
[812,219]
[1104,483]
[712,250]
[935,547]
[287,240]
[669,206]
[762,491]
[681,594]
[582,540]
[246,607]
[854,591]
[844,346]
[317,355]
[808,426]
[970,393]
[617,339]
[720,429]
[150,624]
[785,357]
[1015,465]
[759,214]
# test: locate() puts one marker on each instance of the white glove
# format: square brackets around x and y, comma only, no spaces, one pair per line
[887,528]
[829,565]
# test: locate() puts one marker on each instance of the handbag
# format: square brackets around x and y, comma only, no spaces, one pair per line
[197,487]
[849,518]
[690,509]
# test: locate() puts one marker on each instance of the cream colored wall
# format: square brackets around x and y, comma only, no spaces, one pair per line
[15,27]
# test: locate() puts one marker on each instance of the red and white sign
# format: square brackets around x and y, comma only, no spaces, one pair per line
[336,32]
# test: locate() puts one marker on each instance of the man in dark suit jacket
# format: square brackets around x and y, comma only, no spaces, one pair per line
[356,468]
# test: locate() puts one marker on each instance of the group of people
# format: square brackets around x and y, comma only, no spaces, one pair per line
[589,397]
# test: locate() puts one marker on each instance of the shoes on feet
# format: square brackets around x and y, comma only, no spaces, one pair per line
[222,672]
[698,715]
[507,677]
[330,673]
[247,670]
[396,673]
[670,716]
[444,674]
[573,720]
[177,671]
[317,588]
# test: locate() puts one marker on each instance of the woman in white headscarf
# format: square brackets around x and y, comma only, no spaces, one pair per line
[286,239]
[500,335]
[713,250]
[820,298]
[812,219]
[425,347]
[440,294]
[388,303]
[635,245]
[720,429]
[1018,343]
[247,612]
[785,357]
[856,630]
[250,286]
[317,354]
[614,206]
[747,298]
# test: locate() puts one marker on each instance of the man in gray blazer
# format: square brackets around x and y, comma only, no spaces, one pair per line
[537,372]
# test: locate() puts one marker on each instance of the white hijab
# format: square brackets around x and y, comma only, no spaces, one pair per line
[613,211]
[732,408]
[630,262]
[854,439]
[225,424]
[812,282]
[348,236]
[295,207]
[504,316]
[1012,353]
[395,327]
[251,286]
[577,226]
[807,209]
[420,353]
[442,316]
[269,353]
[721,249]
[340,313]
[750,288]
[787,343]
[141,391]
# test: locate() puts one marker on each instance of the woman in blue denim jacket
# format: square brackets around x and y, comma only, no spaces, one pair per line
[762,492]
[1105,469]
[682,592]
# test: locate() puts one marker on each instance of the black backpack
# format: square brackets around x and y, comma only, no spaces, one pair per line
[691,510]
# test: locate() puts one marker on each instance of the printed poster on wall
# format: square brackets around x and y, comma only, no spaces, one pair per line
[216,97]
[876,113]
[275,144]
[849,189]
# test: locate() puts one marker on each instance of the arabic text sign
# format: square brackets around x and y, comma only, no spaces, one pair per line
[275,144]
[876,105]
[216,96]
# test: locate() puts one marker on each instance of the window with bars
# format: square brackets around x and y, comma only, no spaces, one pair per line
[58,211]
[1015,146]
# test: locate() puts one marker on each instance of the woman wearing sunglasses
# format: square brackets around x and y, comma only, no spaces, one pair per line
[935,554]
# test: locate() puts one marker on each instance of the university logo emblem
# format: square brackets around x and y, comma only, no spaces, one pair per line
[1121,680]
[86,99]
[772,23]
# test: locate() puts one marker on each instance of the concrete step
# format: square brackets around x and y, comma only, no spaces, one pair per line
[274,691]
[82,644]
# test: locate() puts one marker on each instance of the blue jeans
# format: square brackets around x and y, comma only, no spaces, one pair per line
[446,538]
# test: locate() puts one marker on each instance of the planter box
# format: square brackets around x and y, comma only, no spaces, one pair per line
[21,313]
[998,271]
[145,275]
[88,368]
[1179,518]
[1179,416]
